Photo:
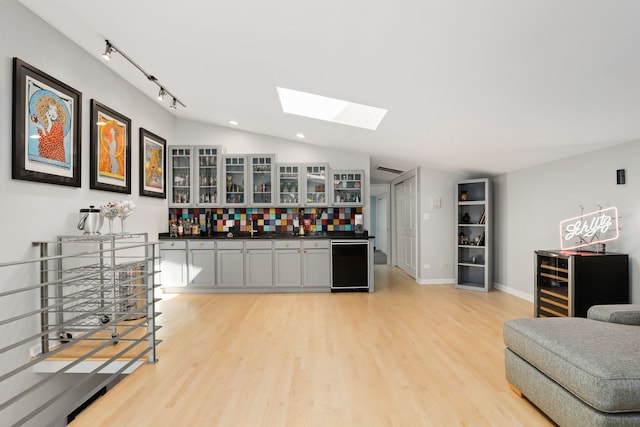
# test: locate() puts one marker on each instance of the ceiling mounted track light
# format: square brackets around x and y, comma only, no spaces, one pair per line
[110,48]
[107,51]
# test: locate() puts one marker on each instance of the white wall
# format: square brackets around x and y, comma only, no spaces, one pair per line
[33,211]
[436,235]
[531,202]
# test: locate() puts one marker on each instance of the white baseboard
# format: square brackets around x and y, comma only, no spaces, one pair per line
[523,295]
[436,281]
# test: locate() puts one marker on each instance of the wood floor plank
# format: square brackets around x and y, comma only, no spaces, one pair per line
[406,355]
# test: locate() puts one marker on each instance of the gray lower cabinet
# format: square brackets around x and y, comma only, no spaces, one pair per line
[202,266]
[258,263]
[316,263]
[230,263]
[173,264]
[288,263]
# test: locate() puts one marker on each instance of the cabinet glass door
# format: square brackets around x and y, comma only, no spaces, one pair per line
[181,176]
[316,184]
[289,185]
[261,174]
[235,175]
[207,185]
[347,188]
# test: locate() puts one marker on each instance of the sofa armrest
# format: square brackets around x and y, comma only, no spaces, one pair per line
[627,314]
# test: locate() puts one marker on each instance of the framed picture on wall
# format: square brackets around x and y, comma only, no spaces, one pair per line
[110,150]
[153,160]
[46,128]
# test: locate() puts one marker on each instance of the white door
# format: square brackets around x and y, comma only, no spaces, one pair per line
[406,226]
[382,224]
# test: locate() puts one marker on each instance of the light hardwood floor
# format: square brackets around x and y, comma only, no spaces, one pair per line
[406,355]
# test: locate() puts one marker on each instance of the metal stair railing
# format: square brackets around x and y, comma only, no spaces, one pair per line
[86,304]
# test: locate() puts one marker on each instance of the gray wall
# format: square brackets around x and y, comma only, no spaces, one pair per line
[436,236]
[531,202]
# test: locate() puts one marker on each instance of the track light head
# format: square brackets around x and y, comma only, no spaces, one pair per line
[107,51]
[161,94]
[174,104]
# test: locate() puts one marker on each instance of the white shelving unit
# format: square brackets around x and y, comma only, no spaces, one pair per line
[473,231]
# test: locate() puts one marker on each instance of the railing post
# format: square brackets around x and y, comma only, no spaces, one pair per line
[44,298]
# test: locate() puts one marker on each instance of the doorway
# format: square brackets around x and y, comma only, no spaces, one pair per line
[405,227]
[380,225]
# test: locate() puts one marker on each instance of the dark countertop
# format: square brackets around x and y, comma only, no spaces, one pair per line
[270,235]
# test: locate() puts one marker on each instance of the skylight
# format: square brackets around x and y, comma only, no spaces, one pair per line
[330,109]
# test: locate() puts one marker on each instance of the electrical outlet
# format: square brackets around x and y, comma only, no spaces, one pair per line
[444,266]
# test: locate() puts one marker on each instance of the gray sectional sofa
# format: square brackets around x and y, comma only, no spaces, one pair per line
[579,371]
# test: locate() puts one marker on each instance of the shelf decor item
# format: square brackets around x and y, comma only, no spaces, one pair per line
[110,150]
[464,196]
[109,211]
[125,208]
[46,128]
[153,158]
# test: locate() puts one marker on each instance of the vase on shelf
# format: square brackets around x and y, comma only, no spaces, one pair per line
[466,218]
[464,196]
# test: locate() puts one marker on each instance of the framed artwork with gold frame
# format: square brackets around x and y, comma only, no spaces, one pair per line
[110,150]
[153,160]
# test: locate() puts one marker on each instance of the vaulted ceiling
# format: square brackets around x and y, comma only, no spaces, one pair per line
[477,86]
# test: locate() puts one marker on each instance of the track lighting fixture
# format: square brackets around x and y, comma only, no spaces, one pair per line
[107,51]
[110,48]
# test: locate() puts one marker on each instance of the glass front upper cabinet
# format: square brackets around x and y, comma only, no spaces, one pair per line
[208,176]
[235,173]
[315,184]
[289,177]
[261,176]
[348,187]
[180,169]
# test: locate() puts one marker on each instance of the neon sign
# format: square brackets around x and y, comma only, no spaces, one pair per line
[589,229]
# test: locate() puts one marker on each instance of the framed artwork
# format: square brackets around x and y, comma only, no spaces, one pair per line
[110,149]
[153,160]
[46,128]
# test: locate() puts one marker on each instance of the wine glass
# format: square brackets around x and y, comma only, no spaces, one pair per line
[109,211]
[125,208]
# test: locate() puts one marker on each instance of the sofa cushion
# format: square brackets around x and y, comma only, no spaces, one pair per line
[599,362]
[627,314]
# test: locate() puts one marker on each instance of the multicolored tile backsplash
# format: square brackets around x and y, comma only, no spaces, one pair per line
[270,219]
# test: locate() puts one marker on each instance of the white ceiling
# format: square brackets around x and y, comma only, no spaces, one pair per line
[479,86]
